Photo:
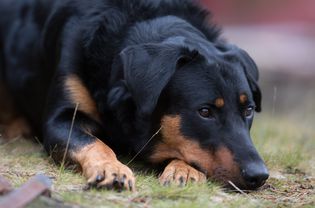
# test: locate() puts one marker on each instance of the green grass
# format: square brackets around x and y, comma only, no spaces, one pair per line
[286,145]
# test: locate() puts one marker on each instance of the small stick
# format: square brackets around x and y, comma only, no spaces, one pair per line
[36,186]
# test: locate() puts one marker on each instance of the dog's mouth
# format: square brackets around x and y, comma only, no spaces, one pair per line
[228,180]
[221,176]
[233,181]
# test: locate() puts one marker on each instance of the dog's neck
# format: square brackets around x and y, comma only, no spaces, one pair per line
[159,29]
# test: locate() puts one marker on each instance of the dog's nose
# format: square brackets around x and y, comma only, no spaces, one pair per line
[255,175]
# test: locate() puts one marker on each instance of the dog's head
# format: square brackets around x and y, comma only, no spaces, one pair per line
[204,102]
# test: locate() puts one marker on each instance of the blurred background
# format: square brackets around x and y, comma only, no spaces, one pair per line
[280,36]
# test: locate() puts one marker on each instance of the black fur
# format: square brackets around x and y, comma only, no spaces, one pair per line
[139,59]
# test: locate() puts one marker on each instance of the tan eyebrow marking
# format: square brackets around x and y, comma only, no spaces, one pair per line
[219,102]
[243,98]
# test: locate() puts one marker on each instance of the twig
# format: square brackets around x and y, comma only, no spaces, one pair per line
[158,131]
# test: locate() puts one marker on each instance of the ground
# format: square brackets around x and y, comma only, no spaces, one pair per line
[286,145]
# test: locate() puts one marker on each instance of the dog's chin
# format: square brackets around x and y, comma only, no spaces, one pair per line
[229,180]
[229,183]
[233,184]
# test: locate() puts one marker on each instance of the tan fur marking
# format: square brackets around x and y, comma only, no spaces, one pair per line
[79,94]
[7,107]
[18,127]
[219,102]
[224,158]
[243,98]
[97,160]
[93,153]
[176,145]
[180,173]
[14,124]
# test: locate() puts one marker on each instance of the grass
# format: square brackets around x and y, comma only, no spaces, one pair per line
[286,145]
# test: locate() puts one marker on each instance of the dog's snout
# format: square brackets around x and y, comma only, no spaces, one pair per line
[255,175]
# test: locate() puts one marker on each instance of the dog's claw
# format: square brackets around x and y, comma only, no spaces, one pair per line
[122,180]
[182,181]
[99,178]
[131,185]
[115,176]
[166,183]
[180,173]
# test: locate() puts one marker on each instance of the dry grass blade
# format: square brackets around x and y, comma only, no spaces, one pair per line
[237,188]
[142,148]
[69,137]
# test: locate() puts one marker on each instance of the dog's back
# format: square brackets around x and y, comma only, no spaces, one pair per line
[33,31]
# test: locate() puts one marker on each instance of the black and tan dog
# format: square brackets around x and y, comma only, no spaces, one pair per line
[132,68]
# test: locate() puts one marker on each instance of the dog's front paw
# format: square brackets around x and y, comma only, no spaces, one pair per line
[110,175]
[180,173]
[102,169]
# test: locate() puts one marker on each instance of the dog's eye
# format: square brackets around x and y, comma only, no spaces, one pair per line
[249,112]
[205,113]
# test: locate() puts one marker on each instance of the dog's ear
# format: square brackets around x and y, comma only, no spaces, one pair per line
[249,67]
[147,68]
[252,75]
